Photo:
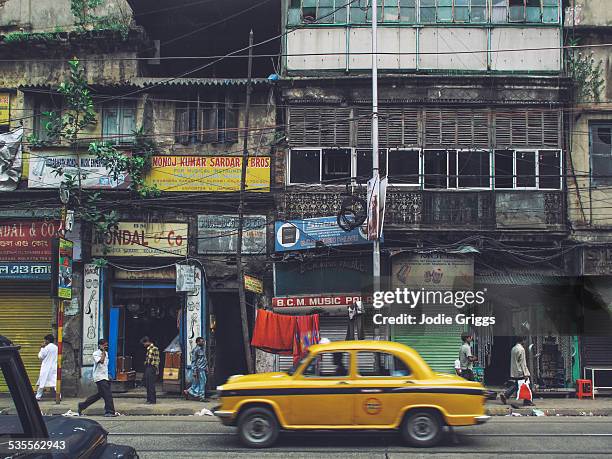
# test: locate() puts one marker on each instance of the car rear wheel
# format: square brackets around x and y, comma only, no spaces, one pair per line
[258,427]
[422,428]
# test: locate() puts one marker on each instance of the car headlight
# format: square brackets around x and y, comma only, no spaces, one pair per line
[219,388]
[234,377]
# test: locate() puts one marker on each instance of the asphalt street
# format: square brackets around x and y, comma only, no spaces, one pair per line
[201,437]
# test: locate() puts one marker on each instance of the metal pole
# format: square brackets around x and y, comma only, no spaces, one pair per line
[239,268]
[375,163]
[60,342]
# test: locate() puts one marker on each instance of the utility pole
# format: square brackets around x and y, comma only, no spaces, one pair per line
[239,268]
[375,156]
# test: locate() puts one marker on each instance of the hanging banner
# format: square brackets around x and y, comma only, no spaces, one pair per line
[139,239]
[5,108]
[92,286]
[195,314]
[219,234]
[94,175]
[208,173]
[61,286]
[185,278]
[11,159]
[373,221]
[314,232]
[27,240]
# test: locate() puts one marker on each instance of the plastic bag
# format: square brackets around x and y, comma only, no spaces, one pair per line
[524,391]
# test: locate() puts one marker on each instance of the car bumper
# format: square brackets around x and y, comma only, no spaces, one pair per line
[481,419]
[226,417]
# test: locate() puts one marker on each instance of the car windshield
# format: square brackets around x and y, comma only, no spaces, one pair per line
[293,369]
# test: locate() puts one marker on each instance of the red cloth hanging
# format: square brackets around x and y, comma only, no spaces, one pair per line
[274,333]
[306,334]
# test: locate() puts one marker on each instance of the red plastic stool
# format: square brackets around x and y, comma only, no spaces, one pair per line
[584,388]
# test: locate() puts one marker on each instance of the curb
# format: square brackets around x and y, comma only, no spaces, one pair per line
[507,411]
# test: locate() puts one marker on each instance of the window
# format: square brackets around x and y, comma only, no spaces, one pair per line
[359,10]
[428,11]
[504,169]
[601,153]
[44,109]
[473,169]
[329,365]
[12,407]
[436,169]
[320,166]
[549,169]
[534,11]
[404,167]
[119,122]
[207,122]
[526,169]
[381,364]
[407,10]
[364,164]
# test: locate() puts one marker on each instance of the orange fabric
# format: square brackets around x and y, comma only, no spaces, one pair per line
[274,332]
[306,334]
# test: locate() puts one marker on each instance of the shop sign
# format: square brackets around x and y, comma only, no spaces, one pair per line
[61,275]
[194,316]
[137,239]
[25,271]
[597,261]
[317,301]
[167,274]
[27,240]
[252,284]
[94,175]
[5,108]
[208,173]
[314,232]
[219,234]
[436,270]
[185,278]
[92,287]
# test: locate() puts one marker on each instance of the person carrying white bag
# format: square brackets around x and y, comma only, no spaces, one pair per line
[519,373]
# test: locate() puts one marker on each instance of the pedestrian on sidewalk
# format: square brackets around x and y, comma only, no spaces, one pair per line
[199,371]
[48,366]
[518,371]
[466,359]
[100,377]
[151,369]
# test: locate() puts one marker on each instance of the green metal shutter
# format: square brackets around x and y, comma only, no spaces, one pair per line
[438,345]
[25,318]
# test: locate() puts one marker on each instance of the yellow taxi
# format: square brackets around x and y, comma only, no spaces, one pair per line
[352,385]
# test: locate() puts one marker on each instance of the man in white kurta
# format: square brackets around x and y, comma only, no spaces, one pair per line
[48,366]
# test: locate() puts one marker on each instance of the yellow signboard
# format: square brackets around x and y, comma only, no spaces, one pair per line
[138,239]
[5,108]
[252,284]
[208,173]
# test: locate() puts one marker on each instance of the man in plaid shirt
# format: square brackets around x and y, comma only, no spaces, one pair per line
[151,369]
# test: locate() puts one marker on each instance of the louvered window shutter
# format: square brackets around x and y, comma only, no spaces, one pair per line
[433,127]
[209,124]
[182,125]
[127,123]
[231,123]
[110,124]
[296,126]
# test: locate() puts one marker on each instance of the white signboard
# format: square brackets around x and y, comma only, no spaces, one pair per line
[91,312]
[194,315]
[44,169]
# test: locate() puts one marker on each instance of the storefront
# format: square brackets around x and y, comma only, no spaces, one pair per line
[324,286]
[26,307]
[140,294]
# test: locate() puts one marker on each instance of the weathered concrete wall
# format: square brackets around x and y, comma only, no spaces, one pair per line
[589,13]
[47,15]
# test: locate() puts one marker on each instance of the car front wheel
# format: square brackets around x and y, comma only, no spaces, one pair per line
[422,429]
[258,427]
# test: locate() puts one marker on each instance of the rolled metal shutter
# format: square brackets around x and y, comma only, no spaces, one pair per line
[332,328]
[25,318]
[438,345]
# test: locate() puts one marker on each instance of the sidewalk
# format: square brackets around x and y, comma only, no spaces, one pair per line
[130,406]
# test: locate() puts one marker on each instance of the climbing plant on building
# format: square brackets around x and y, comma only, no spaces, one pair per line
[586,72]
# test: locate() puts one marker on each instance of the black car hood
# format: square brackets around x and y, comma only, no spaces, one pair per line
[81,436]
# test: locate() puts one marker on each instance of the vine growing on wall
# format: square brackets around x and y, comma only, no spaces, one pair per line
[586,72]
[78,115]
[86,19]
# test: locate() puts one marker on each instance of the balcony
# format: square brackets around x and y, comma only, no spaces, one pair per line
[446,210]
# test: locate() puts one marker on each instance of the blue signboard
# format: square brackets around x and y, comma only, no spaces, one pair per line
[30,271]
[314,232]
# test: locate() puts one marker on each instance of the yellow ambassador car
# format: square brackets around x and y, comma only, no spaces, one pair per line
[352,385]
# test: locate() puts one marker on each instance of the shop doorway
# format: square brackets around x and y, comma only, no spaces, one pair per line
[138,311]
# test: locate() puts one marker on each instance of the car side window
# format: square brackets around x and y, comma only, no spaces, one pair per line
[10,421]
[381,364]
[329,365]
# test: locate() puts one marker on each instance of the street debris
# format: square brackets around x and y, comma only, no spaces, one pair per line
[70,413]
[204,412]
[537,412]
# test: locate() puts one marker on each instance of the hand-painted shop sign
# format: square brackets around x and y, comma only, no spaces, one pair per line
[219,234]
[253,284]
[44,167]
[29,271]
[168,274]
[314,232]
[208,173]
[436,270]
[138,239]
[318,300]
[27,240]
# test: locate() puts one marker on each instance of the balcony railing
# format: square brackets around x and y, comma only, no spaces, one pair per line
[446,210]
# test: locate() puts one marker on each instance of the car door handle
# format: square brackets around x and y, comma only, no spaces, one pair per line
[371,391]
[408,382]
[341,382]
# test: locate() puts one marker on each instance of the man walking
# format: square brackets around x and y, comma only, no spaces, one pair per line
[100,377]
[48,366]
[151,369]
[518,370]
[466,359]
[199,369]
